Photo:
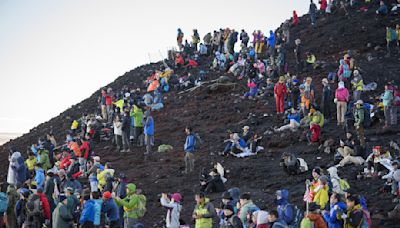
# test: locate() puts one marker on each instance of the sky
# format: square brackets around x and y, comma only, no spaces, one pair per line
[55,53]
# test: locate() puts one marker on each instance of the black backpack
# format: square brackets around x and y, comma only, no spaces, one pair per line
[34,206]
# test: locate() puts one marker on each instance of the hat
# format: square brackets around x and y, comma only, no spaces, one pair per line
[226,195]
[62,197]
[70,189]
[356,72]
[325,80]
[359,102]
[229,207]
[295,81]
[341,85]
[302,87]
[281,79]
[246,128]
[313,206]
[176,197]
[107,195]
[96,158]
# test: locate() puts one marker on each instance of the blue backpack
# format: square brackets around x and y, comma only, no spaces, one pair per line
[3,202]
[297,215]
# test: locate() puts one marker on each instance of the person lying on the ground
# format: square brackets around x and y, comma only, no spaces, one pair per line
[294,122]
[378,161]
[211,182]
[292,164]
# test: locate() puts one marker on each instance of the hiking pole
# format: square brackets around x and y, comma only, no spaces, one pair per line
[163,59]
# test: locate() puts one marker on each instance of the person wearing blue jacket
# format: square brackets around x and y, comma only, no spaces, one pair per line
[110,209]
[39,177]
[334,217]
[121,193]
[382,10]
[271,43]
[189,148]
[88,212]
[148,131]
[285,209]
[313,12]
[98,204]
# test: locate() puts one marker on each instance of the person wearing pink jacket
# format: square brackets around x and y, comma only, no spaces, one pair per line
[341,98]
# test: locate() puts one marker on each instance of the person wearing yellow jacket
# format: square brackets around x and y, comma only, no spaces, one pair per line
[103,175]
[321,197]
[316,117]
[120,104]
[204,212]
[358,85]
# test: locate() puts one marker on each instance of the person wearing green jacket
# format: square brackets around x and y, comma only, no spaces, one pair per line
[131,204]
[359,121]
[387,100]
[62,217]
[44,160]
[245,205]
[137,115]
[204,212]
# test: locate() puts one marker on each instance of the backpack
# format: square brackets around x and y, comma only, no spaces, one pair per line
[297,217]
[366,222]
[141,209]
[3,202]
[197,138]
[344,185]
[306,223]
[34,206]
[346,71]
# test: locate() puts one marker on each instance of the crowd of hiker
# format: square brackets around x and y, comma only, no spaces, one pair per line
[63,183]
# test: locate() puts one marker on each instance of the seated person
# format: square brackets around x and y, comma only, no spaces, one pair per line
[316,117]
[212,182]
[254,143]
[253,89]
[293,165]
[379,160]
[158,101]
[179,61]
[247,134]
[234,145]
[350,146]
[294,122]
[269,88]
[314,133]
[311,59]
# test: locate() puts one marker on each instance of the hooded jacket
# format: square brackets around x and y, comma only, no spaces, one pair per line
[130,202]
[149,124]
[333,217]
[342,94]
[13,168]
[354,217]
[335,179]
[102,177]
[322,196]
[39,178]
[88,212]
[387,98]
[359,116]
[111,210]
[62,217]
[45,205]
[317,220]
[262,219]
[137,116]
[285,210]
[173,215]
[207,211]
[44,160]
[189,143]
[244,209]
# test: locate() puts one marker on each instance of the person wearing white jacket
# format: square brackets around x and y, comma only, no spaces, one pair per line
[174,209]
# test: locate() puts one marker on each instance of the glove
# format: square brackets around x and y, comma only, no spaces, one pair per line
[344,216]
[308,182]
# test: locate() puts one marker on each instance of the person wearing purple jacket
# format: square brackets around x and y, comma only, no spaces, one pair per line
[341,98]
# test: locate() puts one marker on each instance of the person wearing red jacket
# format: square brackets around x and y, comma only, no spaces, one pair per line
[45,204]
[179,61]
[323,5]
[85,152]
[295,18]
[315,131]
[280,91]
[65,161]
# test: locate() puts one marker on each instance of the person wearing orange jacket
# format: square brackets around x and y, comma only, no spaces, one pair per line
[280,91]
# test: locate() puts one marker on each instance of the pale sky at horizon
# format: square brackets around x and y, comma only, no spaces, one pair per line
[54,54]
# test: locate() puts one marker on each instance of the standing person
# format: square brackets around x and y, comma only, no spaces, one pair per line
[92,173]
[189,149]
[280,92]
[195,39]
[20,207]
[337,209]
[244,37]
[313,12]
[391,40]
[295,21]
[179,39]
[38,210]
[12,198]
[326,99]
[359,116]
[62,217]
[88,212]
[204,212]
[126,131]
[120,192]
[13,176]
[103,106]
[298,51]
[244,205]
[110,209]
[341,99]
[174,209]
[286,31]
[133,206]
[138,122]
[354,216]
[387,100]
[148,132]
[358,85]
[118,132]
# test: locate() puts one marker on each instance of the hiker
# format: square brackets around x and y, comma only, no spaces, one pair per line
[39,177]
[314,133]
[20,207]
[148,132]
[326,101]
[244,37]
[102,102]
[314,217]
[274,221]
[173,204]
[245,205]
[285,209]
[195,40]
[238,144]
[379,160]
[12,198]
[230,219]
[294,93]
[38,209]
[269,88]
[316,117]
[337,208]
[105,176]
[295,18]
[344,71]
[321,197]
[118,133]
[88,212]
[293,165]
[271,43]
[313,12]
[382,10]
[189,149]
[126,129]
[391,40]
[17,169]
[110,209]
[350,146]
[247,134]
[323,5]
[120,191]
[134,206]
[341,99]
[227,199]
[359,116]
[337,182]
[358,85]
[62,217]
[72,201]
[253,89]
[179,39]
[279,94]
[92,173]
[204,212]
[387,99]
[137,115]
[354,216]
[298,53]
[212,182]
[294,122]
[311,61]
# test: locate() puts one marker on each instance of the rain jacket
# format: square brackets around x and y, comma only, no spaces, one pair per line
[207,211]
[317,220]
[190,143]
[244,209]
[359,116]
[285,210]
[280,89]
[333,217]
[149,125]
[354,217]
[30,163]
[88,212]
[138,116]
[322,196]
[44,160]
[130,203]
[318,118]
[173,215]
[62,217]
[39,178]
[102,177]
[111,210]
